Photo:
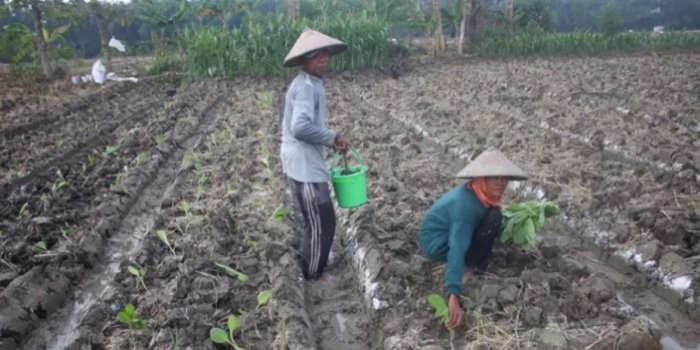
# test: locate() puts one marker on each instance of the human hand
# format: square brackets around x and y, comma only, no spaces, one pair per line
[341,144]
[456,313]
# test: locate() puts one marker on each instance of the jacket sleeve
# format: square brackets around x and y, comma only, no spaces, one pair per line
[461,232]
[303,126]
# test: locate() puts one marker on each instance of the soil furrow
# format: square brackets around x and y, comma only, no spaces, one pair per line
[65,329]
[70,111]
[17,157]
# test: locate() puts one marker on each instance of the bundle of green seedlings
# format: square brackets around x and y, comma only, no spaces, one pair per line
[522,221]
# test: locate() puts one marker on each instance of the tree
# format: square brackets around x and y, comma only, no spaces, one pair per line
[466,15]
[610,19]
[509,16]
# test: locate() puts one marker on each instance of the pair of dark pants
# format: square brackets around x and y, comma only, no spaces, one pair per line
[314,201]
[478,255]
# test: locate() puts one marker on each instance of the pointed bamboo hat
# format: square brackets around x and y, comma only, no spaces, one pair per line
[310,41]
[492,163]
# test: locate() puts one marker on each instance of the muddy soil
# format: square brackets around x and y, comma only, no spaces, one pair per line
[204,169]
[53,226]
[638,206]
[59,131]
[523,292]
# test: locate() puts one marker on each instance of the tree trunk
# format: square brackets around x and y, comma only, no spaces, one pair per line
[40,42]
[466,14]
[509,16]
[480,19]
[99,18]
[494,20]
[437,19]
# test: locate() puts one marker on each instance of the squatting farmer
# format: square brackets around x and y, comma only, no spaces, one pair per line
[305,139]
[463,224]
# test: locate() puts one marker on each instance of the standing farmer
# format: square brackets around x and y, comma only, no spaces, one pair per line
[305,139]
[462,225]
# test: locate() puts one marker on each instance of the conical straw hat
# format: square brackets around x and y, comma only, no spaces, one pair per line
[311,40]
[492,163]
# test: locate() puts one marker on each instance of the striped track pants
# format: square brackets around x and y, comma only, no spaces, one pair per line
[314,201]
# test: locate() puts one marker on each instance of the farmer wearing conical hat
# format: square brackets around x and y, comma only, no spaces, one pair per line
[462,225]
[305,139]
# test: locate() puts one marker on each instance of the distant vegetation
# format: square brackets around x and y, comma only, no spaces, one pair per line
[230,37]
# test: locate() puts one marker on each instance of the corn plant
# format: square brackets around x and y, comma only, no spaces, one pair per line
[128,317]
[139,273]
[164,238]
[220,336]
[231,272]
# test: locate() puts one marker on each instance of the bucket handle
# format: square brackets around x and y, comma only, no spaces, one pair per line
[335,158]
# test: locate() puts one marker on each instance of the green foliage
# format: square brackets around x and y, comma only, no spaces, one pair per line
[264,298]
[219,336]
[260,48]
[610,19]
[522,221]
[585,43]
[438,303]
[128,317]
[231,272]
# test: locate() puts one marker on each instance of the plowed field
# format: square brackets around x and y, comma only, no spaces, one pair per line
[90,189]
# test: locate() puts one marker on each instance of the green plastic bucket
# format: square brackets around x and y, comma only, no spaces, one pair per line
[350,190]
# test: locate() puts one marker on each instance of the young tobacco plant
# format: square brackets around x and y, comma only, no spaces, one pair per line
[219,336]
[441,311]
[128,317]
[231,272]
[263,298]
[139,273]
[522,221]
[164,238]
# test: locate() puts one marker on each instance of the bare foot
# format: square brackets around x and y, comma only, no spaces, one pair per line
[324,277]
[466,276]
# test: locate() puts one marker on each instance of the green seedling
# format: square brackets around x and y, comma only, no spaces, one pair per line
[159,139]
[139,273]
[211,142]
[199,192]
[219,336]
[39,247]
[128,317]
[441,310]
[185,207]
[110,150]
[164,237]
[263,298]
[251,243]
[231,272]
[279,214]
[24,210]
[134,131]
[65,230]
[142,158]
[522,221]
[60,182]
[0,233]
[90,162]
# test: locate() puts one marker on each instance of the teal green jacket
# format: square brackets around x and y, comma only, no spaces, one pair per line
[446,231]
